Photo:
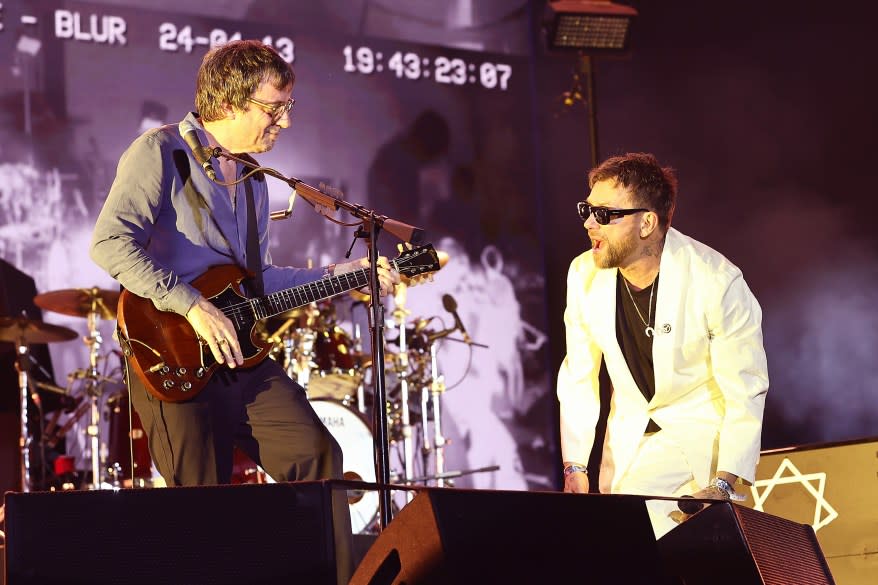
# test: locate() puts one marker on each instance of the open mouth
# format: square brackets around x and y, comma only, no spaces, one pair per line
[596,244]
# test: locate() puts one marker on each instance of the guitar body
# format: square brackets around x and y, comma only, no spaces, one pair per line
[164,352]
[163,349]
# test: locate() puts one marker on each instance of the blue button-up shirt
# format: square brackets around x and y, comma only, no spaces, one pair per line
[165,222]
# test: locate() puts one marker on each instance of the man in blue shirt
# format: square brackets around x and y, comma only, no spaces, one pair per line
[164,223]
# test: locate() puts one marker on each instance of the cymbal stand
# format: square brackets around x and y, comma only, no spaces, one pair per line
[437,387]
[402,367]
[93,388]
[22,366]
[430,396]
[361,387]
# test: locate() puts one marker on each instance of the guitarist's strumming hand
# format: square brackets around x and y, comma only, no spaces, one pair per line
[215,328]
[387,278]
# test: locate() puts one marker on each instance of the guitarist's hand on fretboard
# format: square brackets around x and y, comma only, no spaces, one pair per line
[217,331]
[387,277]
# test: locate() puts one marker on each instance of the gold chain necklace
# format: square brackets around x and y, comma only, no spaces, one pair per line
[649,330]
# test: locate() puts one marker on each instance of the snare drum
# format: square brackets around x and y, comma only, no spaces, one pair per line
[349,428]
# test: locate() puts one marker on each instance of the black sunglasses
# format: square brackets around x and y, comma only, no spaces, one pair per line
[602,215]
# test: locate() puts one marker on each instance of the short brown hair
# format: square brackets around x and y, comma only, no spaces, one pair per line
[231,73]
[652,185]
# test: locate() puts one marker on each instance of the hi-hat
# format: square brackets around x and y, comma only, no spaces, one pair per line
[80,302]
[29,331]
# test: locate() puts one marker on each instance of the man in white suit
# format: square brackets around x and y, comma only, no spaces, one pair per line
[680,333]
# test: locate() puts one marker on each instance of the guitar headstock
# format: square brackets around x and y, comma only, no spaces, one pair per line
[414,262]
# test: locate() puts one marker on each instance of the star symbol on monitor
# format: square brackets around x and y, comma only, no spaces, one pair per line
[814,484]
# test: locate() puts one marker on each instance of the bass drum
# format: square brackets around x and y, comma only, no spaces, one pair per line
[350,429]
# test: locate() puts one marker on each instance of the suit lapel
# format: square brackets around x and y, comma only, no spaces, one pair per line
[667,312]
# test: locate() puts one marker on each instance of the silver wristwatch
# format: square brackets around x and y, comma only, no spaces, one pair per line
[726,488]
[574,469]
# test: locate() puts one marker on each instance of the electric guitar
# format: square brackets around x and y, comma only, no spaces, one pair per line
[165,353]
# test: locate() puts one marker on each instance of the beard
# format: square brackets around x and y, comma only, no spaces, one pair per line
[613,255]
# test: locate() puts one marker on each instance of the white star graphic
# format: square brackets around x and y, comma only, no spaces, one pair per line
[796,476]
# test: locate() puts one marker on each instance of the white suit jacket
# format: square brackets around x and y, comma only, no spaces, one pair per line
[711,375]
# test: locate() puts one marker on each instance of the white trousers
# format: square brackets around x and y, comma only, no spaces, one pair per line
[659,468]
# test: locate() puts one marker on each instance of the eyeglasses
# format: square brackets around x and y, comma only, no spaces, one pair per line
[602,215]
[276,111]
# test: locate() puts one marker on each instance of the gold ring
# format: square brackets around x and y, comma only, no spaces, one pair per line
[221,341]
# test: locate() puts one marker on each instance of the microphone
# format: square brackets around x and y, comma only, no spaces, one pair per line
[451,306]
[202,153]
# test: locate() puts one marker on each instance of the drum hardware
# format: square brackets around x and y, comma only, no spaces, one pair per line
[335,365]
[359,359]
[128,462]
[24,332]
[424,341]
[320,355]
[93,304]
[69,404]
[450,475]
[401,366]
[53,434]
[432,394]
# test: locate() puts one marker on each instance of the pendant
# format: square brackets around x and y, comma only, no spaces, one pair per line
[649,331]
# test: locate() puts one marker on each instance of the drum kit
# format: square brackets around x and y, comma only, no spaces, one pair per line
[93,304]
[314,349]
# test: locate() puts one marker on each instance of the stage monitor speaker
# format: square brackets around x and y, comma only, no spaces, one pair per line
[728,544]
[251,533]
[446,536]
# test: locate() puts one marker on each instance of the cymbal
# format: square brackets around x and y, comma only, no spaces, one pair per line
[16,329]
[80,302]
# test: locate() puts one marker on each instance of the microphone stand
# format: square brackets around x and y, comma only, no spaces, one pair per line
[372,225]
[376,316]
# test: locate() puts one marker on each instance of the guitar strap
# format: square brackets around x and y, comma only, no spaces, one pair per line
[255,284]
[254,260]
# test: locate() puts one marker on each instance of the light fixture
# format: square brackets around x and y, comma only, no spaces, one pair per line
[589,25]
[28,45]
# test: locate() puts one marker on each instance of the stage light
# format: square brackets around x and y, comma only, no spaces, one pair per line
[28,45]
[589,25]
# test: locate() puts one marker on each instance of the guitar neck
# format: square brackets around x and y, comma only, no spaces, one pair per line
[299,296]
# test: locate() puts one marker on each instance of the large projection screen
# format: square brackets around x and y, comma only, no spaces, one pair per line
[422,118]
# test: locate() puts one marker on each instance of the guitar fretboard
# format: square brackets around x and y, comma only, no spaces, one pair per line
[243,314]
[299,296]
